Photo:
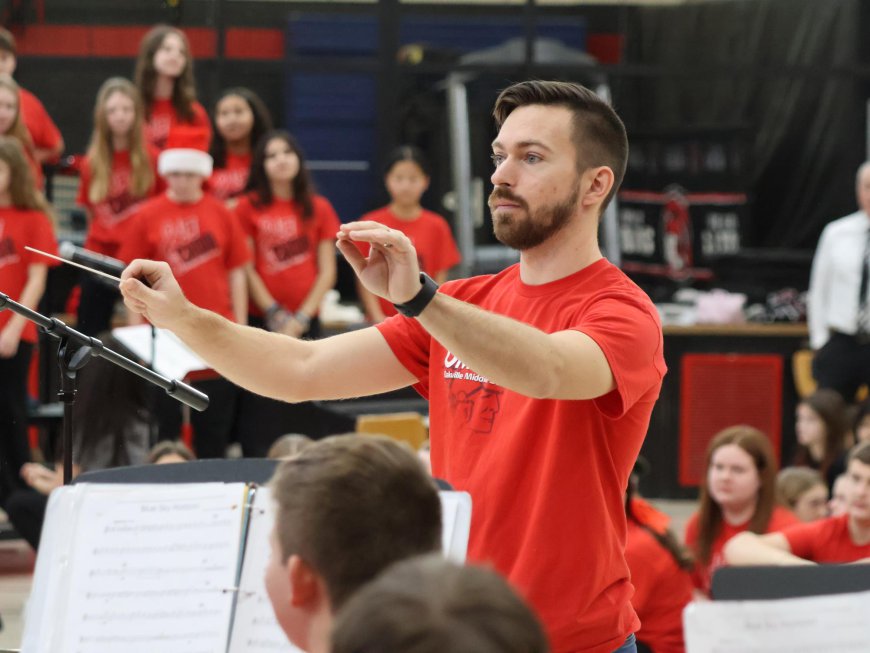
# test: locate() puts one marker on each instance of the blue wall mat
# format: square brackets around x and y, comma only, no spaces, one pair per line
[477,33]
[312,34]
[334,115]
[349,192]
[341,97]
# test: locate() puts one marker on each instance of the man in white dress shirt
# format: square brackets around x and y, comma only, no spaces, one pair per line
[839,311]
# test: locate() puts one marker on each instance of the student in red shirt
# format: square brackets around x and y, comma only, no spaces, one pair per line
[845,538]
[47,142]
[240,119]
[541,379]
[291,230]
[659,568]
[738,494]
[164,77]
[11,124]
[117,173]
[207,250]
[24,221]
[406,179]
[292,233]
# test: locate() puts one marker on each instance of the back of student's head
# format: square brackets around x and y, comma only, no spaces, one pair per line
[288,445]
[170,451]
[430,605]
[792,482]
[351,505]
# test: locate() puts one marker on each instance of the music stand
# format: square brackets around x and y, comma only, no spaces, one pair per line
[75,350]
[785,582]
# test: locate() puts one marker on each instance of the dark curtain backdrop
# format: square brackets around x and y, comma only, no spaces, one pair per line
[786,70]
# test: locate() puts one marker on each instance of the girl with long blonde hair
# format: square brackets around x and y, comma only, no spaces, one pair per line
[12,124]
[24,220]
[117,173]
[164,77]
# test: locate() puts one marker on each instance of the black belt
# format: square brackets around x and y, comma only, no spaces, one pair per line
[859,338]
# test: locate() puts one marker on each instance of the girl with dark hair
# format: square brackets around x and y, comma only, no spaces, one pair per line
[660,569]
[407,178]
[738,494]
[118,171]
[24,220]
[164,77]
[240,119]
[821,428]
[292,232]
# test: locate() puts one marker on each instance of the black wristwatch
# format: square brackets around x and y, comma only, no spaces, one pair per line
[414,306]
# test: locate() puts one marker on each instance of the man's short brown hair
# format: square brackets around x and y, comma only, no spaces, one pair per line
[7,41]
[351,505]
[599,135]
[430,605]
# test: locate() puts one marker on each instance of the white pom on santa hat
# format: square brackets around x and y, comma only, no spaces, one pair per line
[186,151]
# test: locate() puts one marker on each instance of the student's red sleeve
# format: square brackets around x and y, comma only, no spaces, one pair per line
[84,185]
[448,252]
[238,252]
[43,131]
[244,216]
[201,119]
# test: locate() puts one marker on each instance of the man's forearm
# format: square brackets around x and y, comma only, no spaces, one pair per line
[266,363]
[518,356]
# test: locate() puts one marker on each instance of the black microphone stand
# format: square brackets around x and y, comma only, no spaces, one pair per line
[74,351]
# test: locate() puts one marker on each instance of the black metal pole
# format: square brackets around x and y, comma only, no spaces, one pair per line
[74,352]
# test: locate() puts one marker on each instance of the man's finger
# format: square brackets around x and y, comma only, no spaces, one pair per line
[136,290]
[351,254]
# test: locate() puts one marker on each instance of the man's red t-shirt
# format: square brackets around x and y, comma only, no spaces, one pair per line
[110,217]
[164,117]
[202,242]
[547,478]
[230,180]
[661,589]
[702,576]
[43,131]
[285,244]
[825,540]
[431,237]
[20,227]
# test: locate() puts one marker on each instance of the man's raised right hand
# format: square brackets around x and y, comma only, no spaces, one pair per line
[163,304]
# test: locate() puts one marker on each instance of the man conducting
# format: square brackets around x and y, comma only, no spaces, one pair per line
[541,379]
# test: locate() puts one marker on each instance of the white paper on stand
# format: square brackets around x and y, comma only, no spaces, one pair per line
[836,623]
[173,358]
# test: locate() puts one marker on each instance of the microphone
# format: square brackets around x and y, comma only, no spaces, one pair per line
[91,259]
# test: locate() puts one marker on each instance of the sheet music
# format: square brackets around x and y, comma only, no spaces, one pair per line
[152,569]
[455,524]
[49,581]
[255,627]
[818,624]
[174,359]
